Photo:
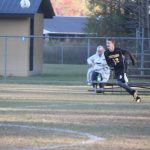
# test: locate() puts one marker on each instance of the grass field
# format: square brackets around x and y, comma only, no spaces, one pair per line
[54,74]
[44,117]
[56,111]
[59,75]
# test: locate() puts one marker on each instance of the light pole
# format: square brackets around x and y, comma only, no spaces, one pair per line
[141,36]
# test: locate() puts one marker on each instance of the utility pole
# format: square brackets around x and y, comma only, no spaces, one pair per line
[141,35]
[148,21]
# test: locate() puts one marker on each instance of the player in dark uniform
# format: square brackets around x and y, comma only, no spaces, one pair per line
[116,58]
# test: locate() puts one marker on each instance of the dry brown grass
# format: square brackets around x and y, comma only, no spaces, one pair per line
[29,115]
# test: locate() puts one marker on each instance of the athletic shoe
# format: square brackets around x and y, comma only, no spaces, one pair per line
[136,97]
[135,94]
[89,84]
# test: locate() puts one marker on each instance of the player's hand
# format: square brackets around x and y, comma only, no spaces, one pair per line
[134,62]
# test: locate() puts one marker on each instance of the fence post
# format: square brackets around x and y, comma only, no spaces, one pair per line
[5,59]
[62,55]
[142,53]
[88,48]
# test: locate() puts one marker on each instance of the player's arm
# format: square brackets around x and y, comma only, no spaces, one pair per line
[125,52]
[90,60]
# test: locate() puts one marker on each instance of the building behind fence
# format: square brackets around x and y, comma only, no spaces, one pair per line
[75,50]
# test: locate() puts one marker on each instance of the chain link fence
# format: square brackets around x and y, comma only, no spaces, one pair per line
[69,50]
[76,50]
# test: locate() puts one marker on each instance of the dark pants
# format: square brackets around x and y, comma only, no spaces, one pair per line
[94,79]
[122,83]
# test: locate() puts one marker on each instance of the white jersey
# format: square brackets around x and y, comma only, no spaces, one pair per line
[99,65]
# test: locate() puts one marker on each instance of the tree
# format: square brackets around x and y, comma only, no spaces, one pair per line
[118,17]
[70,7]
[106,15]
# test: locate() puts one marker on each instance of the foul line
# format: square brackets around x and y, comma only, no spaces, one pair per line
[91,138]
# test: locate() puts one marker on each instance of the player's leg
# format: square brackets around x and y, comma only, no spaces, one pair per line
[89,76]
[94,79]
[101,85]
[122,82]
[136,96]
[99,79]
[104,78]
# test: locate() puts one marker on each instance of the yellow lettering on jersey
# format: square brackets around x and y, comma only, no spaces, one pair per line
[116,60]
[114,56]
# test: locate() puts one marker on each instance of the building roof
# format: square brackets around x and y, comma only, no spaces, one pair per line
[65,25]
[11,8]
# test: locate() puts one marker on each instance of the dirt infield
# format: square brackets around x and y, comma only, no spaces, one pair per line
[44,117]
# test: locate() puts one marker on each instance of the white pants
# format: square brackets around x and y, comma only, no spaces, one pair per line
[105,74]
[89,74]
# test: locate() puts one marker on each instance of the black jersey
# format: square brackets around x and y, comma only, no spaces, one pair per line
[117,59]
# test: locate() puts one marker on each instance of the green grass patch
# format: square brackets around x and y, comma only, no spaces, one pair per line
[54,74]
[58,74]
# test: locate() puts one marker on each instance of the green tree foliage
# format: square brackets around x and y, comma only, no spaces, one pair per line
[106,18]
[70,7]
[136,14]
[117,17]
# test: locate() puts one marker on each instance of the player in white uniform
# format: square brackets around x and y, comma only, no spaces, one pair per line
[99,70]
